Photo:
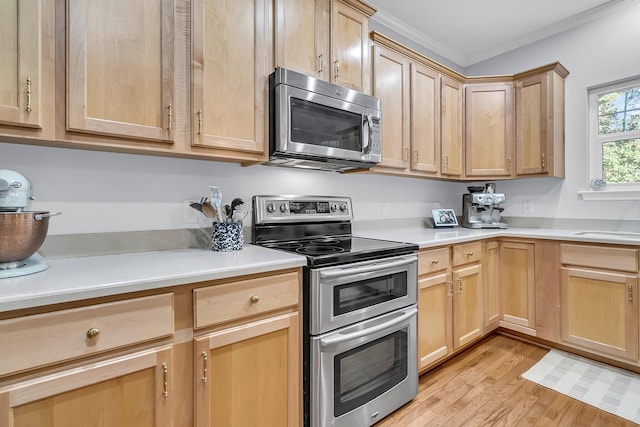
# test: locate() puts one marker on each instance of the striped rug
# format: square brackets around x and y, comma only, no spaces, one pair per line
[611,389]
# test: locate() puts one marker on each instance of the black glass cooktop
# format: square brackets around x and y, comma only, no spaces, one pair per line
[325,251]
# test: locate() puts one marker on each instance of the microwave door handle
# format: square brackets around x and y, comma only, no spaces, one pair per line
[340,338]
[378,266]
[367,148]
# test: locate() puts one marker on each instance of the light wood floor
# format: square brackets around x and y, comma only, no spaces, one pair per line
[482,387]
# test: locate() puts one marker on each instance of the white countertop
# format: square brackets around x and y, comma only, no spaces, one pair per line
[429,237]
[73,279]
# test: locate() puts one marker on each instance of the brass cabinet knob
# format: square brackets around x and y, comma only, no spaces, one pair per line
[93,333]
[435,261]
[255,299]
[470,253]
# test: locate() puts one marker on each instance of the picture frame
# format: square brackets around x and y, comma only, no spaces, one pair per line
[444,218]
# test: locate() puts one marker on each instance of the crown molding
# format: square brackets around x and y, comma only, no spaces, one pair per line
[458,58]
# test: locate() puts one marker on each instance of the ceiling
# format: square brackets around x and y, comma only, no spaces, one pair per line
[469,31]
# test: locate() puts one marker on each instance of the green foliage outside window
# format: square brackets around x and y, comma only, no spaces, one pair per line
[618,113]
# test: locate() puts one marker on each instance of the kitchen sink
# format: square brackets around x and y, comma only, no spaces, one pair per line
[612,234]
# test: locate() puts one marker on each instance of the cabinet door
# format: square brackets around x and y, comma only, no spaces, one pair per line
[229,87]
[120,78]
[451,127]
[249,375]
[517,263]
[467,305]
[391,85]
[532,122]
[491,265]
[599,312]
[489,130]
[425,119]
[125,391]
[26,65]
[349,47]
[302,36]
[434,318]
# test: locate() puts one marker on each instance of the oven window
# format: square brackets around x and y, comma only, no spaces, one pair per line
[317,124]
[364,373]
[365,293]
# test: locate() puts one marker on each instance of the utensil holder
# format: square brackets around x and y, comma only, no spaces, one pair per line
[226,236]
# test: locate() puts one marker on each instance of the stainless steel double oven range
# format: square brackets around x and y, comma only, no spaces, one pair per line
[359,309]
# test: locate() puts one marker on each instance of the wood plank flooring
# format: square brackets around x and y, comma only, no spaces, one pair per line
[482,387]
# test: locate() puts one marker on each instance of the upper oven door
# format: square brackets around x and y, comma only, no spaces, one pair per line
[350,293]
[312,124]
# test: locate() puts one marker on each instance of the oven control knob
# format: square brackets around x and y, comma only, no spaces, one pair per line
[283,208]
[271,207]
[334,207]
[343,207]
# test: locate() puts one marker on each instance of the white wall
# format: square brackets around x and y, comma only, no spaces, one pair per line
[105,192]
[602,51]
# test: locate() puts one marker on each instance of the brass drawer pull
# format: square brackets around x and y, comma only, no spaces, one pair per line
[255,299]
[434,261]
[205,359]
[470,253]
[165,374]
[93,333]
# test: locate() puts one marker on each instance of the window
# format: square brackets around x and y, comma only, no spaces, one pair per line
[614,129]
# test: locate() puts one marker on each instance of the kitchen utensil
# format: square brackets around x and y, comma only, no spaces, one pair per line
[216,201]
[196,206]
[210,211]
[227,213]
[235,202]
[22,234]
[240,212]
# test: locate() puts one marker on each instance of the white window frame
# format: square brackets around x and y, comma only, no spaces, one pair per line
[613,191]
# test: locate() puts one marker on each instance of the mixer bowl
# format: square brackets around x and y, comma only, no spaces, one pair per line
[22,234]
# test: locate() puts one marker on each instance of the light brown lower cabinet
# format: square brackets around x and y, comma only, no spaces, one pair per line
[493,294]
[129,390]
[599,299]
[517,276]
[248,375]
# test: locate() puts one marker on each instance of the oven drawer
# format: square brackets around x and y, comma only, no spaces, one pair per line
[41,339]
[433,260]
[244,298]
[464,254]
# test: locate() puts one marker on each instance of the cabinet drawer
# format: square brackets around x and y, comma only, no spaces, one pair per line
[433,260]
[463,254]
[243,298]
[41,339]
[609,258]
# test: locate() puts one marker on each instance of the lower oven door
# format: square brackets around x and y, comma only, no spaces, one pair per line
[361,373]
[345,294]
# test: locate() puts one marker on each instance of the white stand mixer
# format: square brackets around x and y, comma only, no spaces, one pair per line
[15,194]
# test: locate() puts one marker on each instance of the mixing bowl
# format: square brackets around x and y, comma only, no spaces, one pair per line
[22,234]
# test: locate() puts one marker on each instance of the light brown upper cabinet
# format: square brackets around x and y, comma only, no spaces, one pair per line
[489,130]
[451,120]
[27,68]
[425,119]
[421,113]
[120,68]
[540,122]
[391,85]
[230,86]
[327,39]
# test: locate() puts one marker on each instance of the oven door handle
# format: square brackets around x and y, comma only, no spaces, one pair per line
[378,266]
[340,338]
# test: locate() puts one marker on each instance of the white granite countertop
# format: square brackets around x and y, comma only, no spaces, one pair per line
[429,237]
[73,279]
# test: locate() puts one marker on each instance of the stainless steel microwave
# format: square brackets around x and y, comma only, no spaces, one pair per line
[319,125]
